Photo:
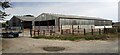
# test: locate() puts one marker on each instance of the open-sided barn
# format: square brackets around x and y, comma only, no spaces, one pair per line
[57,21]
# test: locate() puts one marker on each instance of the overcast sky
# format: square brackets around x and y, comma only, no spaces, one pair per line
[107,9]
[64,0]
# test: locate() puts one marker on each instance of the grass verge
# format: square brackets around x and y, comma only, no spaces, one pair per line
[74,37]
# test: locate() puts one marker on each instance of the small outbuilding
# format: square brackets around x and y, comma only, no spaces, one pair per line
[24,21]
[116,25]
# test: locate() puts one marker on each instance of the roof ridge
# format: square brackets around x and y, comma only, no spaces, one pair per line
[75,16]
[69,15]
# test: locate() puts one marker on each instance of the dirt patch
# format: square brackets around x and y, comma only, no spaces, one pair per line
[53,48]
[29,45]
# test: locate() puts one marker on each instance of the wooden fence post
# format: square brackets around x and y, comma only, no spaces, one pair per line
[43,32]
[50,32]
[92,31]
[52,28]
[99,31]
[34,32]
[72,30]
[38,32]
[61,31]
[84,31]
[104,31]
[78,29]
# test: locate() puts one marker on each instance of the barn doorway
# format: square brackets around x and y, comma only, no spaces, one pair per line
[27,24]
[45,23]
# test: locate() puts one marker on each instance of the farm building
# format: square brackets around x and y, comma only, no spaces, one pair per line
[116,25]
[57,22]
[25,21]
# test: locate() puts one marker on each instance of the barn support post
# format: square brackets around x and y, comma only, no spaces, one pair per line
[58,25]
[52,27]
[31,32]
[48,26]
[22,27]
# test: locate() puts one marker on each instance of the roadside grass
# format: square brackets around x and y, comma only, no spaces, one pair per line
[78,37]
[61,37]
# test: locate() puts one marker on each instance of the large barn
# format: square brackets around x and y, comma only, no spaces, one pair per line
[56,21]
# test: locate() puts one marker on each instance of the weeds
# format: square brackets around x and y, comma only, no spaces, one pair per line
[73,38]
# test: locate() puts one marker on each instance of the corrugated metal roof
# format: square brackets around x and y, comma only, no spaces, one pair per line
[25,18]
[73,16]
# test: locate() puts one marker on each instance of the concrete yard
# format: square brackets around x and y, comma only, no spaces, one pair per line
[29,45]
